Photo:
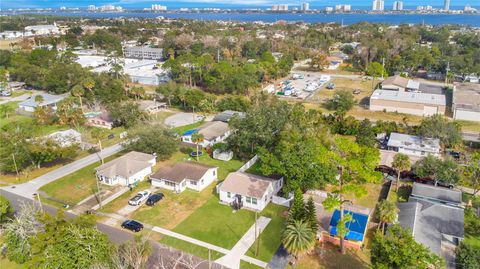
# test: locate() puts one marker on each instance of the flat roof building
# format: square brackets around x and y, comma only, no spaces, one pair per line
[466,102]
[413,145]
[420,104]
[143,53]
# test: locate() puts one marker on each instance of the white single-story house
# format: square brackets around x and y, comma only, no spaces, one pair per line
[413,145]
[48,100]
[466,102]
[151,106]
[250,191]
[128,169]
[195,176]
[66,138]
[213,132]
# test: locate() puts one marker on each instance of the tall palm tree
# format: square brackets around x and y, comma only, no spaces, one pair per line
[89,84]
[387,213]
[197,138]
[78,91]
[401,162]
[298,237]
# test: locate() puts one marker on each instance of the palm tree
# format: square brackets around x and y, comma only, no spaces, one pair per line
[6,110]
[387,213]
[89,84]
[298,237]
[401,162]
[138,92]
[78,91]
[197,138]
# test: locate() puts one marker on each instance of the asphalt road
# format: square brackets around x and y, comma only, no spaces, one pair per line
[29,188]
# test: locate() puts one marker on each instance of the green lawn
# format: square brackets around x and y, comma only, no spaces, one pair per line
[5,263]
[190,248]
[182,129]
[224,168]
[270,238]
[77,186]
[246,265]
[217,224]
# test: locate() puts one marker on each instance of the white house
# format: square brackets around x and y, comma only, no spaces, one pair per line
[48,100]
[128,169]
[413,145]
[250,191]
[195,176]
[66,138]
[213,132]
[39,30]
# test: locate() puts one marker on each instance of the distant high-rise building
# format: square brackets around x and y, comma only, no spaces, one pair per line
[446,6]
[156,7]
[305,6]
[280,7]
[329,9]
[91,8]
[343,8]
[397,5]
[378,5]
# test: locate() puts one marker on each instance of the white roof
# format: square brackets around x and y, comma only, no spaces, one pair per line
[412,84]
[414,142]
[410,97]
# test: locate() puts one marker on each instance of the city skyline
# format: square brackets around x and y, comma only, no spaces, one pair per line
[224,3]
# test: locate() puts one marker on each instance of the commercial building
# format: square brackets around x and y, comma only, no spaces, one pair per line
[143,53]
[397,6]
[446,5]
[378,5]
[156,7]
[466,102]
[343,8]
[420,104]
[280,7]
[413,145]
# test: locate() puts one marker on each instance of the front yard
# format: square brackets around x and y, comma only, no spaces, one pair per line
[77,186]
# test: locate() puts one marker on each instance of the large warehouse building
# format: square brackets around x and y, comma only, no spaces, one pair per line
[466,102]
[420,104]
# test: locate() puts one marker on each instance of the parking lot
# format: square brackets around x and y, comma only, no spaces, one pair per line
[302,85]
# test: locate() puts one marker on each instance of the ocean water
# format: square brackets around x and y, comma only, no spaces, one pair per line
[394,19]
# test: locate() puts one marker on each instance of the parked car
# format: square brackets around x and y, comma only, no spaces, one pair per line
[154,198]
[444,184]
[456,155]
[132,225]
[139,198]
[331,86]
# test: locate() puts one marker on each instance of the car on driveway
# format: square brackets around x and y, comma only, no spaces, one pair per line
[132,225]
[139,198]
[154,198]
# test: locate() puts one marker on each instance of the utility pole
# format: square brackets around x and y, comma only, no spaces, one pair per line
[209,259]
[99,194]
[446,73]
[40,201]
[15,164]
[383,66]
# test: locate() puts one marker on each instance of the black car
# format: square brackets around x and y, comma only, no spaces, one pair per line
[132,225]
[154,198]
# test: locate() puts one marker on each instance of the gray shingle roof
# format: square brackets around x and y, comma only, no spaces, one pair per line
[48,99]
[182,171]
[436,194]
[226,115]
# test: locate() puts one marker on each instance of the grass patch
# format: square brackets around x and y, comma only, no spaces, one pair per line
[174,208]
[370,200]
[75,187]
[217,224]
[247,265]
[182,129]
[270,238]
[224,168]
[328,256]
[5,263]
[190,248]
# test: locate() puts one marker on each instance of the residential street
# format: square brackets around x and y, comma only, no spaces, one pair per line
[29,188]
[20,98]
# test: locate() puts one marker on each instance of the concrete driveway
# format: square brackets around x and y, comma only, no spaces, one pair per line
[182,119]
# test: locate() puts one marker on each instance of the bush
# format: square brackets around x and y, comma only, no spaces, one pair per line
[6,209]
[153,139]
[468,256]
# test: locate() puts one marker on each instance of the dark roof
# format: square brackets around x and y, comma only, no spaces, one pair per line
[356,227]
[429,221]
[182,171]
[436,194]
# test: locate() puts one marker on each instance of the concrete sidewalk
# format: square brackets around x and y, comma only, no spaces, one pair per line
[29,188]
[232,259]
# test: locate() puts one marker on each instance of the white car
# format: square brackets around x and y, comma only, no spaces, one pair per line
[139,198]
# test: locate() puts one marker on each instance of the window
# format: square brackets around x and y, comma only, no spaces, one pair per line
[254,201]
[168,183]
[229,195]
[248,199]
[193,182]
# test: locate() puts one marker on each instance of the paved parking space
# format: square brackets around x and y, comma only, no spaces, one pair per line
[302,85]
[182,119]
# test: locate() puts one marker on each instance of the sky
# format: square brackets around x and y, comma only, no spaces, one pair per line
[5,4]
